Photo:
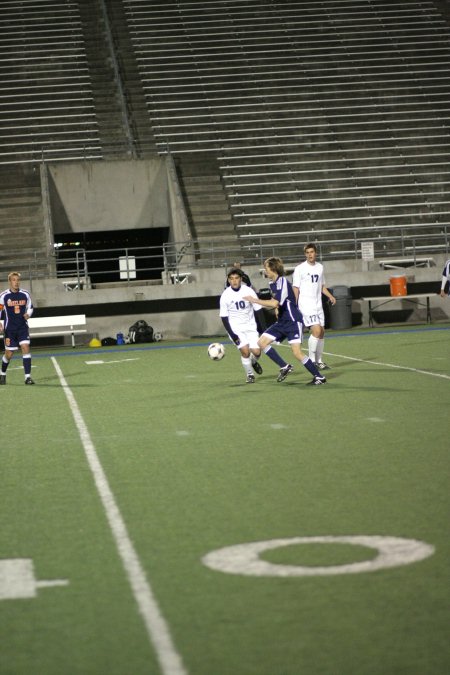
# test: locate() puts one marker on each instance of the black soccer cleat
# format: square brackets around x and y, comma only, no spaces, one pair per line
[322,366]
[318,379]
[28,380]
[284,372]
[250,378]
[2,379]
[257,367]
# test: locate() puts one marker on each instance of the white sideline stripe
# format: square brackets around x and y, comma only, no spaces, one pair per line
[390,365]
[157,628]
[100,362]
[380,363]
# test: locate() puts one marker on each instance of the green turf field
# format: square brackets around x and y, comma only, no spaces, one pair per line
[123,468]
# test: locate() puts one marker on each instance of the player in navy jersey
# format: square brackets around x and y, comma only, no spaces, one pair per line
[445,280]
[244,324]
[289,319]
[16,308]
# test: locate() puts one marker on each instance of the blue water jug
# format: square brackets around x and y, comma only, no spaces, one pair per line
[120,340]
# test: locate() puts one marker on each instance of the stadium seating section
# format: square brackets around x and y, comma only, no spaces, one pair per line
[288,121]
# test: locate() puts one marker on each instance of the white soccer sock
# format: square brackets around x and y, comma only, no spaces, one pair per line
[26,359]
[246,364]
[319,349]
[312,347]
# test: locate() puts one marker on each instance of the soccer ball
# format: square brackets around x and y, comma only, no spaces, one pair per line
[216,351]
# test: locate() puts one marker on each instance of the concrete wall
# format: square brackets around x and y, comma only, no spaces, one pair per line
[209,283]
[102,196]
[50,293]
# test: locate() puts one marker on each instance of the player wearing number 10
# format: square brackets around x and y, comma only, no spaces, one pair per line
[243,324]
[308,283]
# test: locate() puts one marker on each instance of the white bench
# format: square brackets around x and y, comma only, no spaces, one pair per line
[75,284]
[57,325]
[180,277]
[401,263]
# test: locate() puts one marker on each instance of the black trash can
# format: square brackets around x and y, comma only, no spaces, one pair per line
[341,312]
[268,314]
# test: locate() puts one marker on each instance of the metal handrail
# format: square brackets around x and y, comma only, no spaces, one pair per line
[161,262]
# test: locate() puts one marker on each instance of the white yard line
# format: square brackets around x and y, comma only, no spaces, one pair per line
[105,363]
[389,365]
[157,627]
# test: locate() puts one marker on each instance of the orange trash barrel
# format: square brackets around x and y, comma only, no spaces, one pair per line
[398,285]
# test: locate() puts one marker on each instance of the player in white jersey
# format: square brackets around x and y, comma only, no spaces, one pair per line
[309,284]
[244,323]
[445,279]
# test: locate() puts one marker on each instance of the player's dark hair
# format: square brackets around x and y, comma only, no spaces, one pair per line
[276,265]
[235,270]
[311,245]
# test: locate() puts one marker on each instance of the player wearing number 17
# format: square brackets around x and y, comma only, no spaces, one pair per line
[308,283]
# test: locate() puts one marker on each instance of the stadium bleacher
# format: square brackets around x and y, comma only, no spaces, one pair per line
[286,120]
[327,116]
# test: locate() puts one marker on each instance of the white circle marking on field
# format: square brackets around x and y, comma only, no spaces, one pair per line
[244,558]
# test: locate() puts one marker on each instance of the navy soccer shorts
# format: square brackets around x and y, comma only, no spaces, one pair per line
[14,338]
[291,331]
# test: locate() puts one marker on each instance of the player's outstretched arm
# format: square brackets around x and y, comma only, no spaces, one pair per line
[272,303]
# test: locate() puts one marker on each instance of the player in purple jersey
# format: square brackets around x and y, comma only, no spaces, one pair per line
[445,280]
[289,318]
[16,308]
